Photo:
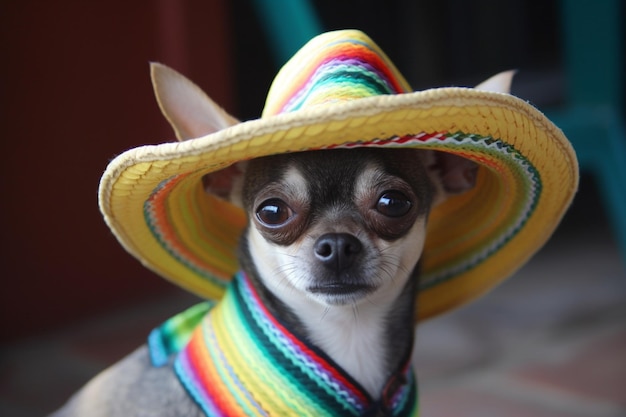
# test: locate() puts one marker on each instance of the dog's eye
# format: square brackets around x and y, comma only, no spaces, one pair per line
[393,204]
[274,212]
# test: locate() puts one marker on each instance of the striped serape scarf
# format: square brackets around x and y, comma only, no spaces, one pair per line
[235,358]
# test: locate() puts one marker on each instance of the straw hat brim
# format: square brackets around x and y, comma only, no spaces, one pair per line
[153,201]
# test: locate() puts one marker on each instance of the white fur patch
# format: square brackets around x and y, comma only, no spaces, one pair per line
[296,184]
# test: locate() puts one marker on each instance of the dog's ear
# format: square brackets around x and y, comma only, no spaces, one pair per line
[226,183]
[499,83]
[453,174]
[193,114]
[185,106]
[450,173]
[457,174]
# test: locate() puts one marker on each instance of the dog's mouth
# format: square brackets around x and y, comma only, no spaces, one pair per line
[341,289]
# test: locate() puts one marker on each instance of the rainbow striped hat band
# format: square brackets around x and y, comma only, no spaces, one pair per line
[341,91]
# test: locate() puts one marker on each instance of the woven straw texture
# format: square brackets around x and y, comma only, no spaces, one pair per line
[152,197]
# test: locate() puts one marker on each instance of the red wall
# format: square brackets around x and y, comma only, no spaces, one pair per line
[75,91]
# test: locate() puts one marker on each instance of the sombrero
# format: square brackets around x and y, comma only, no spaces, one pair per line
[341,91]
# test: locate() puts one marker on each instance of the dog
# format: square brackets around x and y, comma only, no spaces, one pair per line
[332,248]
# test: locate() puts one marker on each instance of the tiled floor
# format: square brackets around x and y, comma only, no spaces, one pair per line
[550,342]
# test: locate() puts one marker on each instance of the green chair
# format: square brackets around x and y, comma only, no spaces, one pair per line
[592,117]
[289,24]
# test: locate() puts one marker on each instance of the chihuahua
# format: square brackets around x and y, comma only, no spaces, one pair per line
[332,247]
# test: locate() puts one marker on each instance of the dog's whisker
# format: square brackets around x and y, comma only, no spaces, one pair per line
[355,312]
[324,313]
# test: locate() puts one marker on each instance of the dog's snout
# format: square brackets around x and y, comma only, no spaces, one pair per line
[337,250]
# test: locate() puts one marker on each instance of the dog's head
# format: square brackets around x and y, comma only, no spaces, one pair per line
[340,226]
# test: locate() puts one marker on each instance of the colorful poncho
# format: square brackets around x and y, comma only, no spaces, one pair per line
[235,358]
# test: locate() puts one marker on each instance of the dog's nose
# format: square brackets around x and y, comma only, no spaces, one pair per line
[337,250]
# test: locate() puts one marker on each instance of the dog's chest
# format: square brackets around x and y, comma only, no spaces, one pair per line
[353,337]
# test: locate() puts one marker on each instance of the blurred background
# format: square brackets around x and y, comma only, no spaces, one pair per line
[75,91]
